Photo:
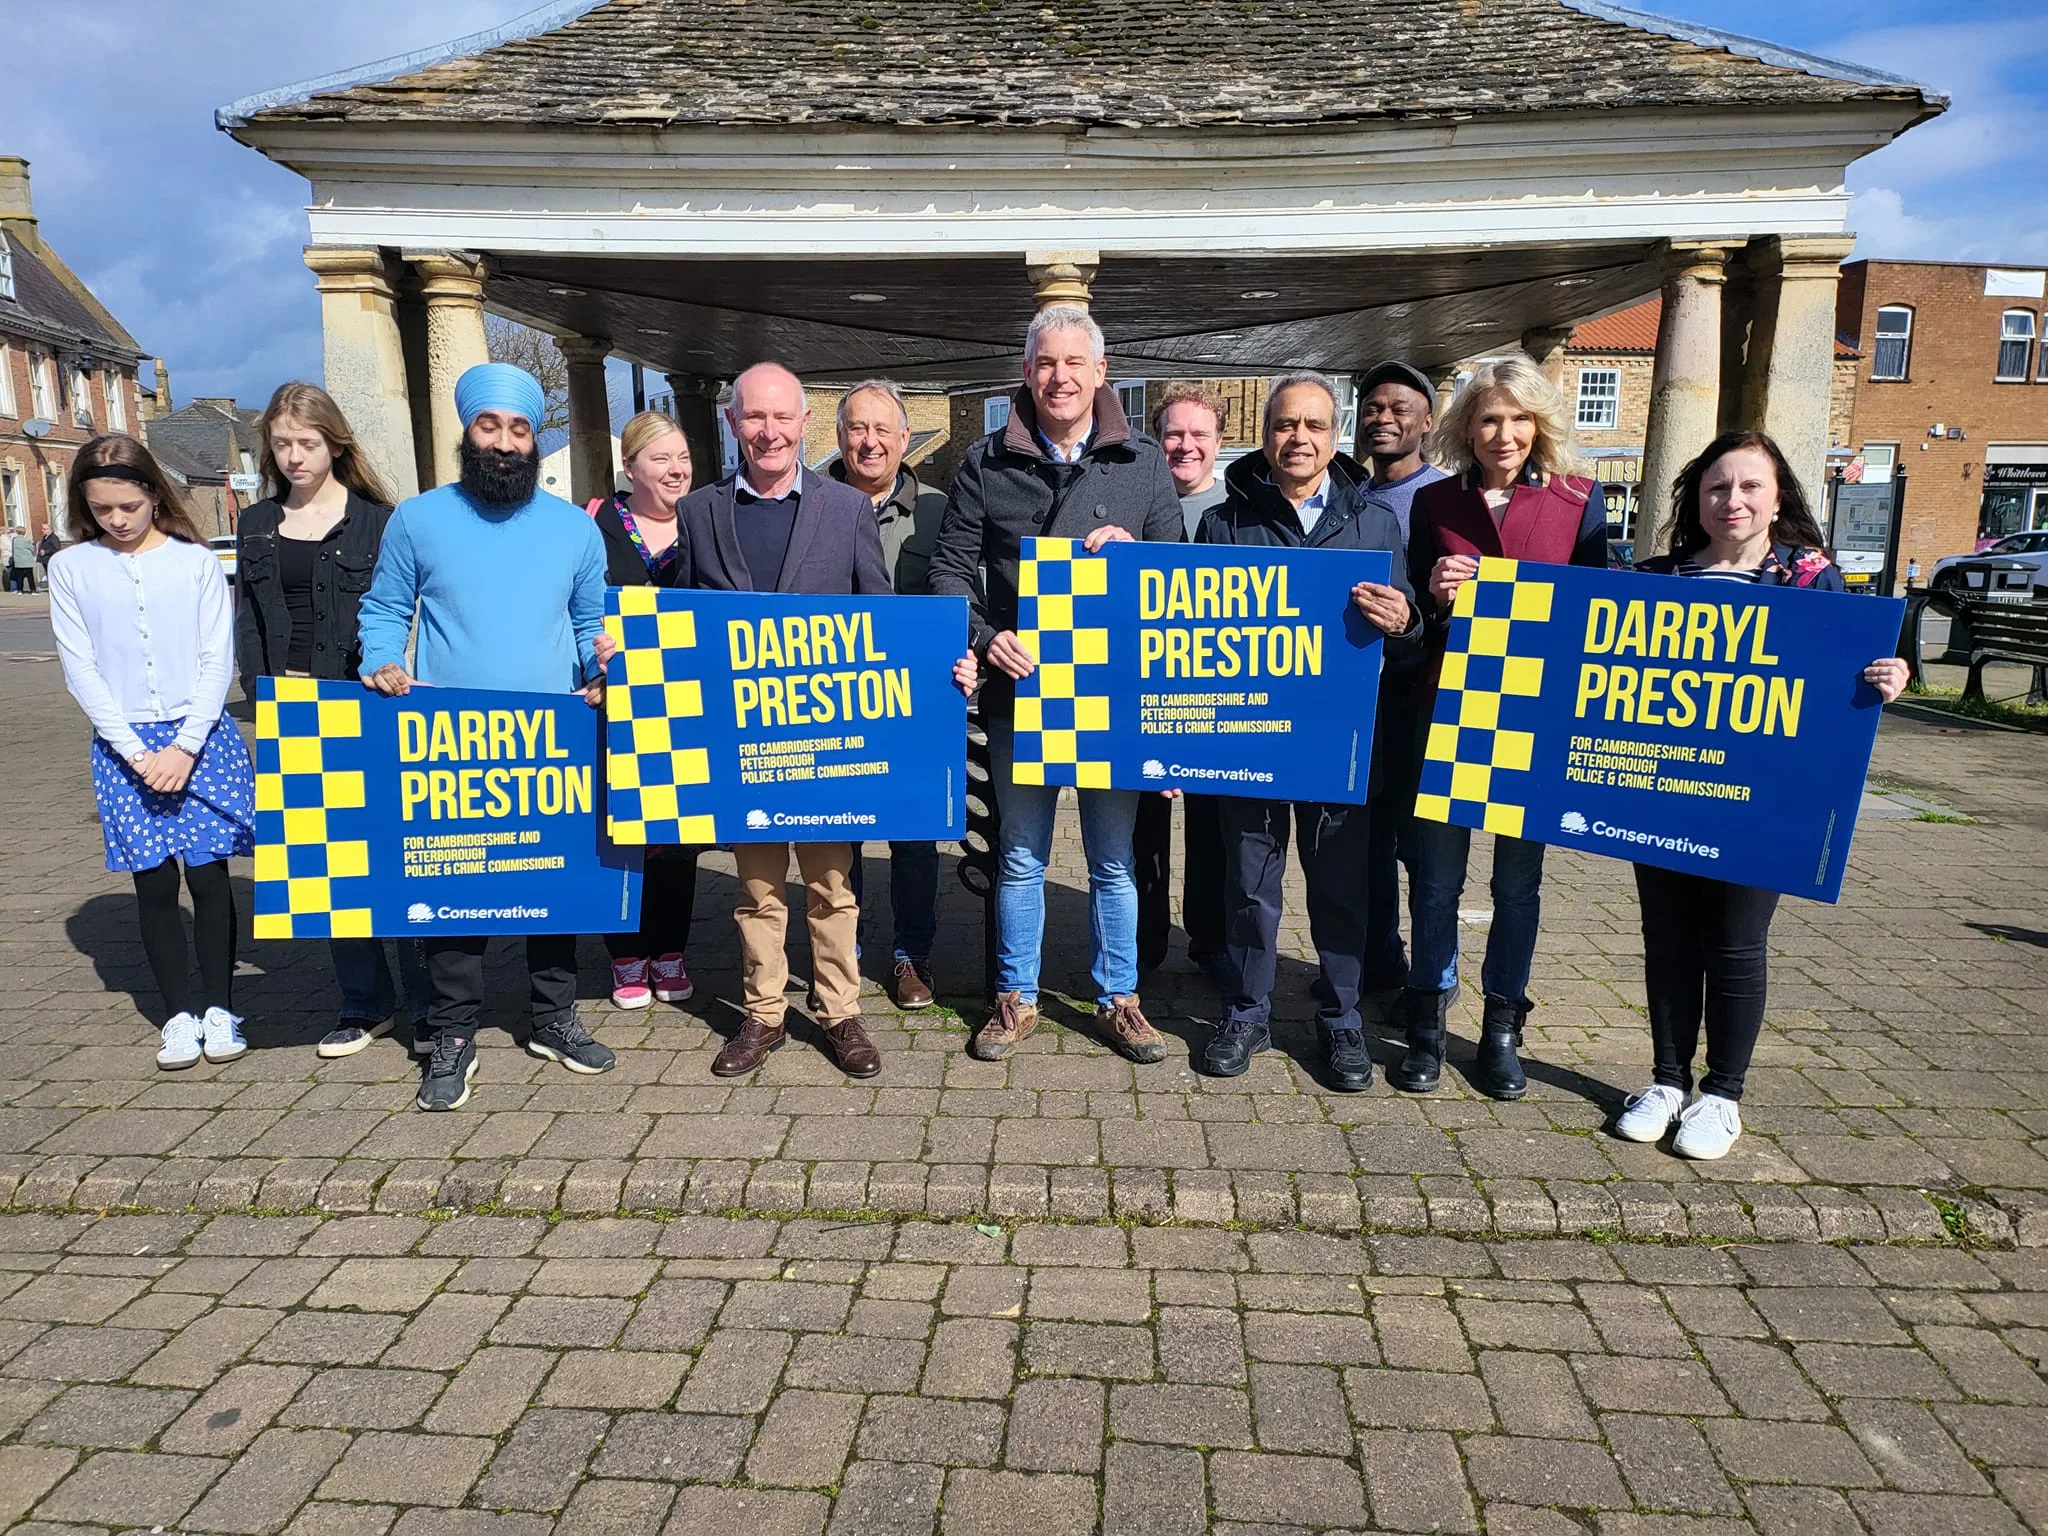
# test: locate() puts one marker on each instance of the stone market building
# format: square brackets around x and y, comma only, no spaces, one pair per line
[672,184]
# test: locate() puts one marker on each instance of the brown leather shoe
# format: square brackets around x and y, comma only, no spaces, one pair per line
[849,1045]
[913,984]
[748,1049]
[1124,1025]
[1014,1019]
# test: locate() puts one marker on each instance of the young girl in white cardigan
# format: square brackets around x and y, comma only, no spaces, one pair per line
[145,628]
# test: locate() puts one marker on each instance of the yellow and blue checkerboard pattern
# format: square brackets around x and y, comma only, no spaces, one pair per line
[1062,719]
[312,828]
[1474,746]
[653,683]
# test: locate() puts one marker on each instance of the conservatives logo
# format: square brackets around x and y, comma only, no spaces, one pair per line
[1154,769]
[756,820]
[1572,821]
[419,912]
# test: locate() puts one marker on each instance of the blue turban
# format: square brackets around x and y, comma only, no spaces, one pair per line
[499,387]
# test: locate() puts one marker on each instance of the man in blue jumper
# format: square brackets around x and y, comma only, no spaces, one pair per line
[508,582]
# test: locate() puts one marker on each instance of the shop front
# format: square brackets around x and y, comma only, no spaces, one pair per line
[2015,491]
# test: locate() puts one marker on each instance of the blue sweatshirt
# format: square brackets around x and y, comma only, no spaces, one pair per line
[508,599]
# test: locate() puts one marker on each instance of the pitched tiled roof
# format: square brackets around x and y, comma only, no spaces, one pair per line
[45,305]
[1635,330]
[204,439]
[1142,63]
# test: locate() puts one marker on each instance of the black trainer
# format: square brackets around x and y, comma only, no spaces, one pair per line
[445,1074]
[1231,1049]
[1347,1062]
[567,1041]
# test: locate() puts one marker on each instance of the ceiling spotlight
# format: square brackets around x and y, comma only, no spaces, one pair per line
[1260,293]
[869,298]
[568,293]
[652,330]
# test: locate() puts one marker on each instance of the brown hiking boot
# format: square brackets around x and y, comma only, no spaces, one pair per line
[913,984]
[748,1049]
[1014,1019]
[1124,1025]
[850,1046]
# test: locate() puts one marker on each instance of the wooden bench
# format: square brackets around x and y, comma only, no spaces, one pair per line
[2005,631]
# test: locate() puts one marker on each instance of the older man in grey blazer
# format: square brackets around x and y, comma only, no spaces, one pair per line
[777,527]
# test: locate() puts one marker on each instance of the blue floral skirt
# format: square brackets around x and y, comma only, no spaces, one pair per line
[212,817]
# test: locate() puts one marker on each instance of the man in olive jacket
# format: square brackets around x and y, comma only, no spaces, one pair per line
[1067,465]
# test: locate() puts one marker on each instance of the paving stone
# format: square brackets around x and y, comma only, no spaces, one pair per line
[446,1332]
[1649,1386]
[610,1508]
[234,1410]
[1536,1394]
[1666,1464]
[269,1481]
[880,1498]
[431,1469]
[1910,1449]
[758,1512]
[1089,1349]
[1151,1490]
[683,1447]
[332,1338]
[971,1357]
[27,1472]
[614,1378]
[539,1466]
[202,1350]
[1416,1481]
[1536,1471]
[1762,1380]
[1309,1339]
[1897,1514]
[1196,1416]
[1202,1344]
[348,1398]
[1055,1426]
[1764,1452]
[488,1395]
[846,1364]
[1300,1408]
[1305,1490]
[125,1418]
[125,1488]
[735,1373]
[966,1434]
[982,1503]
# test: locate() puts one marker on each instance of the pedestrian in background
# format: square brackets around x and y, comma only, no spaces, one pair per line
[145,630]
[304,557]
[638,526]
[1513,490]
[874,434]
[1740,516]
[508,585]
[21,559]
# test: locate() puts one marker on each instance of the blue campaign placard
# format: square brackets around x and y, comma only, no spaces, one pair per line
[1698,725]
[451,809]
[747,717]
[1207,667]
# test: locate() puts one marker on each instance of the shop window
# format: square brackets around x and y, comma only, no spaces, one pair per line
[2015,345]
[1892,354]
[995,413]
[1599,399]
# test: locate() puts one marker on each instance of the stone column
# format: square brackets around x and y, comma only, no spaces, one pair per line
[1445,381]
[453,287]
[1685,384]
[1061,277]
[1790,372]
[1546,343]
[364,358]
[590,417]
[696,412]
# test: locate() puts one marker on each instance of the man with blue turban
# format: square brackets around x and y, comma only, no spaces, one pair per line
[508,583]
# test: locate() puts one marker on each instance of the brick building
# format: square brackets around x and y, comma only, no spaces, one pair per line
[67,366]
[209,445]
[1953,385]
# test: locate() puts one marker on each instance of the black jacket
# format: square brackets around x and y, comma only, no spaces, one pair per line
[1008,489]
[623,566]
[835,548]
[341,575]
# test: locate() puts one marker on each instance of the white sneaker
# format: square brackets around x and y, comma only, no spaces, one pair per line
[224,1040]
[1708,1129]
[181,1042]
[1646,1116]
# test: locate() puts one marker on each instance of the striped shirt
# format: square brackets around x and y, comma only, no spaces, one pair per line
[1694,568]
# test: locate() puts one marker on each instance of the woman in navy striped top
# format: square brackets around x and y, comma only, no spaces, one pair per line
[1741,516]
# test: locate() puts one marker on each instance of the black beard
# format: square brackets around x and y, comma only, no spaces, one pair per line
[499,479]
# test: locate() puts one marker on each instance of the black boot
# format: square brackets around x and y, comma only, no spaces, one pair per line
[1423,1067]
[1496,1071]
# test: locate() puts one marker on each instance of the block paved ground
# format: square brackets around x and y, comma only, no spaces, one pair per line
[1056,1294]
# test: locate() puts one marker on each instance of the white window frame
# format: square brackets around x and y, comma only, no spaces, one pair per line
[42,386]
[6,270]
[1347,411]
[1904,338]
[1879,458]
[728,447]
[53,495]
[7,406]
[81,398]
[1124,388]
[117,408]
[995,413]
[14,495]
[2015,329]
[1597,403]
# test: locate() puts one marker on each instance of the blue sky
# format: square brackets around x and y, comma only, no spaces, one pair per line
[194,241]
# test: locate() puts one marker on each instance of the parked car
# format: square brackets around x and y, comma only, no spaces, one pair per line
[2031,548]
[226,549]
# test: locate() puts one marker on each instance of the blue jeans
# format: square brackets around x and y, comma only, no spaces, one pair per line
[1108,819]
[913,897]
[1438,881]
[365,979]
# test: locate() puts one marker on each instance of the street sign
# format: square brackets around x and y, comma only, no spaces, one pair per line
[245,485]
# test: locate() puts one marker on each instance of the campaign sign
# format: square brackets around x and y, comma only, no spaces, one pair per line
[451,809]
[751,717]
[1698,725]
[1230,671]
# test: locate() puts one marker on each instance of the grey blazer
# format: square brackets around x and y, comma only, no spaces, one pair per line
[835,547]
